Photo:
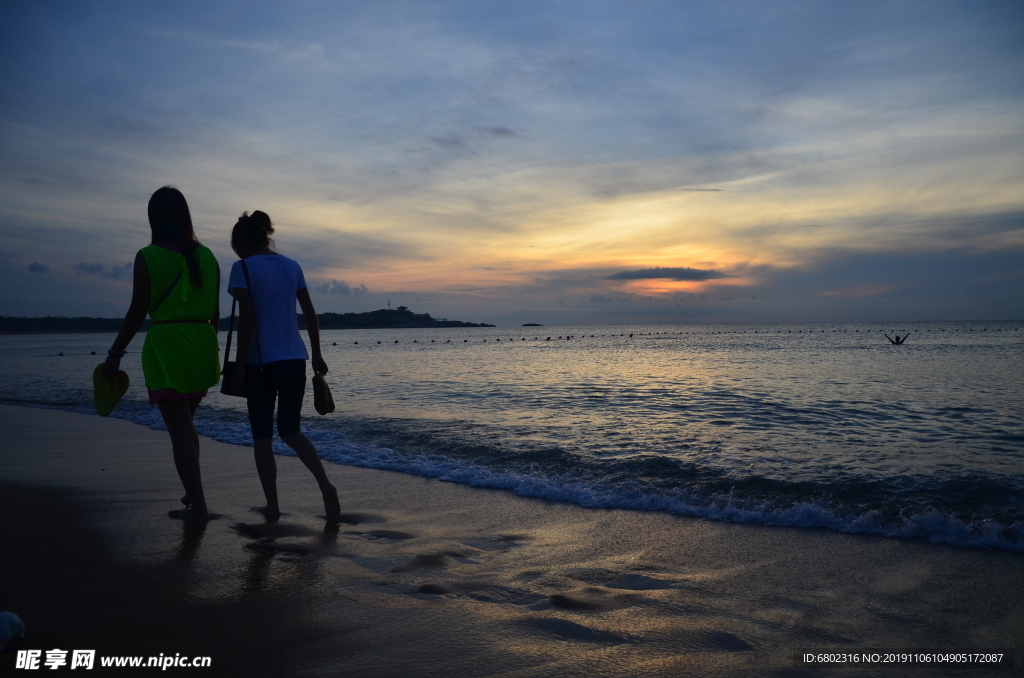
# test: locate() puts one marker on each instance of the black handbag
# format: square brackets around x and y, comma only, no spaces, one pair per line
[252,372]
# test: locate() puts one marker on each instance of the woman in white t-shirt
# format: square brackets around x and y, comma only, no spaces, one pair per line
[266,299]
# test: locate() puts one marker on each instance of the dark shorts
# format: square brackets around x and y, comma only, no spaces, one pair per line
[283,381]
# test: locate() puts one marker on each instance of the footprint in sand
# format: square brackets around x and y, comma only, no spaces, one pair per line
[640,582]
[530,575]
[266,536]
[483,594]
[381,535]
[461,558]
[594,599]
[507,595]
[360,518]
[722,641]
[422,562]
[378,565]
[573,603]
[502,542]
[567,630]
[618,580]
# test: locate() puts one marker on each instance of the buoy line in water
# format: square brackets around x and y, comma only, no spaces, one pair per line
[632,335]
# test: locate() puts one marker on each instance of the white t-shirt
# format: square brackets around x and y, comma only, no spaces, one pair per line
[275,280]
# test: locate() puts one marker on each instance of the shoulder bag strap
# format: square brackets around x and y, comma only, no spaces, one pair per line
[166,294]
[252,302]
[231,328]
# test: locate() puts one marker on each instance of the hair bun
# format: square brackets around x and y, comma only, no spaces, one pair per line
[254,229]
[262,220]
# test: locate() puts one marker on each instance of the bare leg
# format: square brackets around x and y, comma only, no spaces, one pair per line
[177,415]
[263,452]
[307,453]
[193,404]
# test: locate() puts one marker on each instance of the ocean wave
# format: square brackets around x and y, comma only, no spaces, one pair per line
[901,507]
[931,524]
[986,517]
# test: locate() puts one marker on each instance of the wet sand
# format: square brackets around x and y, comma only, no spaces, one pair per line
[433,578]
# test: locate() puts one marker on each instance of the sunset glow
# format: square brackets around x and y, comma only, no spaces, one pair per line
[499,166]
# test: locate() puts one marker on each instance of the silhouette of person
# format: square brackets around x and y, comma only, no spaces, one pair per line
[267,314]
[897,341]
[177,282]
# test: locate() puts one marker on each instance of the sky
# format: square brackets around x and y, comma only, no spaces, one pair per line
[561,162]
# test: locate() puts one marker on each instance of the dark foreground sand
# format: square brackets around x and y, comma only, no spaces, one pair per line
[432,578]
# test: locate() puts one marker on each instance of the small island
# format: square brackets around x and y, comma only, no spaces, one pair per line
[385,318]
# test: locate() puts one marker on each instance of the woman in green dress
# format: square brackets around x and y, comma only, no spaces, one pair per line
[177,282]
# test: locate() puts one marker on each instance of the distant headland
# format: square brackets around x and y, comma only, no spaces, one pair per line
[385,318]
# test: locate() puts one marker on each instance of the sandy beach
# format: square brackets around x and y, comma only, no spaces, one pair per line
[431,578]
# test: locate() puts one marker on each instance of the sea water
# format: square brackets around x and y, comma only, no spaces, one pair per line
[815,425]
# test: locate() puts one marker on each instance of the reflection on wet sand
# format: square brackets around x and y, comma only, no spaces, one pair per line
[191,539]
[426,576]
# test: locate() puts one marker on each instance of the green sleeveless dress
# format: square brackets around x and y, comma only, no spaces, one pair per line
[183,356]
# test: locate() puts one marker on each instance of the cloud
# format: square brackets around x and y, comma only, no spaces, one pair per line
[343,288]
[450,141]
[786,133]
[121,272]
[36,267]
[499,131]
[668,273]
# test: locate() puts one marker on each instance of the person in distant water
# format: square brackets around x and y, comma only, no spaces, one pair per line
[276,354]
[897,341]
[177,282]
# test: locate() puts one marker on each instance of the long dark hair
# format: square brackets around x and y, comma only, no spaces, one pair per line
[169,219]
[253,230]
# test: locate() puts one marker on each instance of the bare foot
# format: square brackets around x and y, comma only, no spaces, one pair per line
[331,503]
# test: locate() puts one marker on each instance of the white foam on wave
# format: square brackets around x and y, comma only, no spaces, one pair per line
[233,428]
[932,525]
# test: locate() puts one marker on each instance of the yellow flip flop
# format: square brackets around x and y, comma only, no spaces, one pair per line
[105,393]
[323,401]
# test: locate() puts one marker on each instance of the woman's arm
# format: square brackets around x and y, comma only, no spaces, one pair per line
[313,329]
[132,319]
[245,330]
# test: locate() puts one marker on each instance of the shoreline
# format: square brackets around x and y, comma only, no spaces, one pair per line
[932,526]
[433,576]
